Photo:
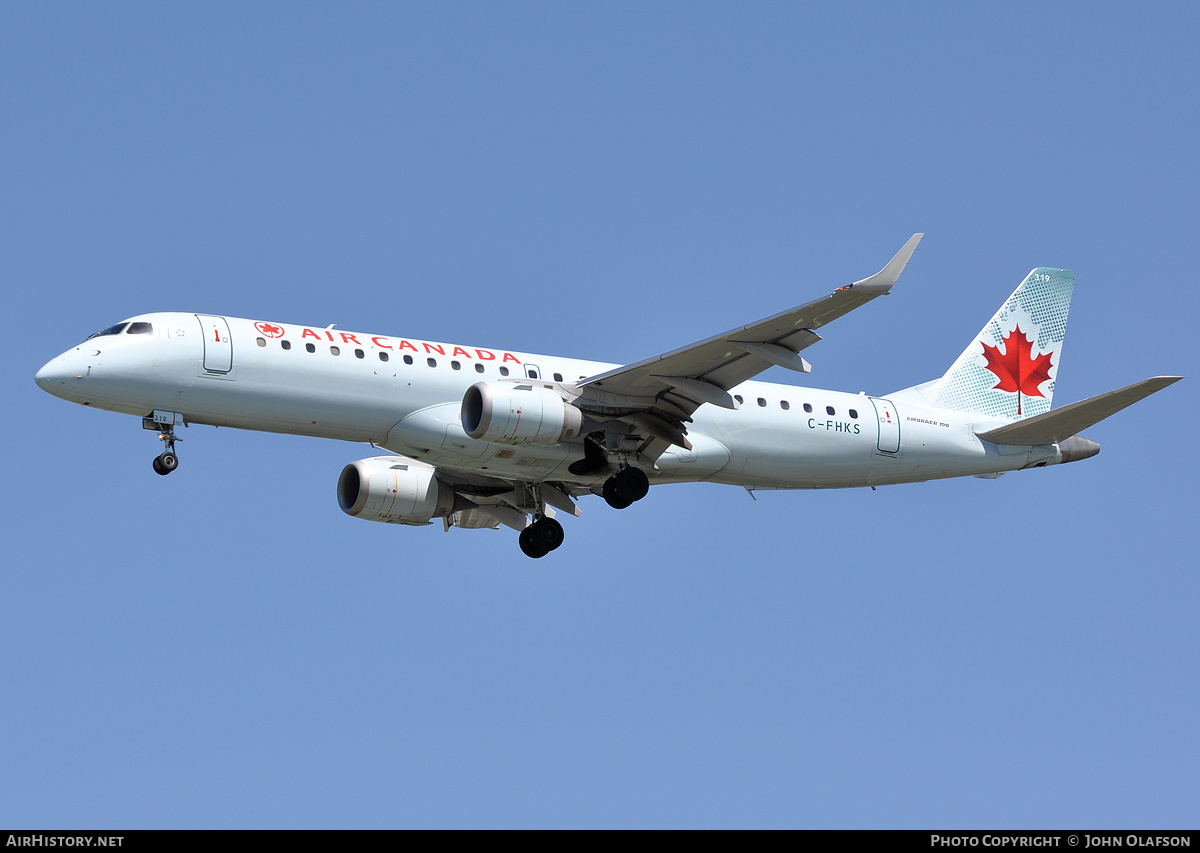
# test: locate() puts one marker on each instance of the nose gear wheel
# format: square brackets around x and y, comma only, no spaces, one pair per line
[165,463]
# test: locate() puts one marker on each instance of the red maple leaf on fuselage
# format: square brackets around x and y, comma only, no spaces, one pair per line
[1016,368]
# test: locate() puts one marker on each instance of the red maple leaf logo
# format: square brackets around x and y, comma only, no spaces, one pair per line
[270,330]
[1017,369]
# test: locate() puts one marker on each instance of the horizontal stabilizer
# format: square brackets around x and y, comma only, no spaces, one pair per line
[1060,424]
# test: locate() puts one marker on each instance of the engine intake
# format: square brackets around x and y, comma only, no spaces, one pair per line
[393,490]
[519,414]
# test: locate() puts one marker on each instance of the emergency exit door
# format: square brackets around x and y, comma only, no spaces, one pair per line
[889,426]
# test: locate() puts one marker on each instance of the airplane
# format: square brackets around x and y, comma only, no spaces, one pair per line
[483,437]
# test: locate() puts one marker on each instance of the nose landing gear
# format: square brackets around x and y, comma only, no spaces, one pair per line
[167,461]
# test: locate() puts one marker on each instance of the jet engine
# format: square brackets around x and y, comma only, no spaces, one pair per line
[520,414]
[395,490]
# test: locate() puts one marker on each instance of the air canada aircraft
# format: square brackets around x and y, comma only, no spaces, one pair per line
[486,437]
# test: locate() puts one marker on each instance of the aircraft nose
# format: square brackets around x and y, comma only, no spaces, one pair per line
[55,373]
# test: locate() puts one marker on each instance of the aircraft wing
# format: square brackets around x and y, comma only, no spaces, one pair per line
[673,385]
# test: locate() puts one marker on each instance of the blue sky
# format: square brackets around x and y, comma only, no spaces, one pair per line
[225,648]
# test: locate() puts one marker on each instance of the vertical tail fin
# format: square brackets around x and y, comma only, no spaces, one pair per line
[1010,367]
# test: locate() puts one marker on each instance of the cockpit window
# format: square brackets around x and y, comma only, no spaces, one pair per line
[111,330]
[140,329]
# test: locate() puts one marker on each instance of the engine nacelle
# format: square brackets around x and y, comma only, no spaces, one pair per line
[519,414]
[394,490]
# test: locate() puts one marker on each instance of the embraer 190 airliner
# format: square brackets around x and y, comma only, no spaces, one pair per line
[484,437]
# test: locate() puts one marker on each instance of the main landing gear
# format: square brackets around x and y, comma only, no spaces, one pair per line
[625,487]
[541,537]
[538,539]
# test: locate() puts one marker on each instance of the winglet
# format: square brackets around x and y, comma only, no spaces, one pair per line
[886,277]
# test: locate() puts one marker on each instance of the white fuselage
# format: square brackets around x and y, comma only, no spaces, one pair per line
[359,387]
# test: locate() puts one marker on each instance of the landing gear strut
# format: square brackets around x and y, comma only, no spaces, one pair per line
[541,537]
[625,487]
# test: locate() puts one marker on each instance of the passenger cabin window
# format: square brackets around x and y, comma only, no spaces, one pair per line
[408,359]
[533,374]
[854,413]
[829,410]
[286,344]
[503,371]
[456,365]
[432,362]
[808,408]
[383,356]
[359,353]
[738,397]
[334,351]
[111,330]
[479,368]
[785,405]
[311,347]
[140,329]
[558,377]
[262,342]
[762,401]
